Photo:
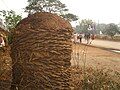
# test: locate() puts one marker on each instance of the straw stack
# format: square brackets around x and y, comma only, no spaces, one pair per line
[41,53]
[5,64]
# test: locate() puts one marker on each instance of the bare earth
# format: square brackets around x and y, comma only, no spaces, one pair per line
[95,57]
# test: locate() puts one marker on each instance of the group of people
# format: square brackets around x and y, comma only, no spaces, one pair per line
[78,37]
[88,37]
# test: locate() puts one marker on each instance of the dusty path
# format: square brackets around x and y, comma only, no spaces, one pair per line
[105,44]
[95,57]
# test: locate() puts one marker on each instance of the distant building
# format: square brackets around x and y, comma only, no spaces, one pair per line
[117,34]
[100,33]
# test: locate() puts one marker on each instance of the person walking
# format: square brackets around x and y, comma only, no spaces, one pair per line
[80,37]
[87,37]
[92,36]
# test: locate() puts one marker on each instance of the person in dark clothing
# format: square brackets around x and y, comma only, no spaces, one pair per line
[80,37]
[87,37]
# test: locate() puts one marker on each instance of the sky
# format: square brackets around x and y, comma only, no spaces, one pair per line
[102,11]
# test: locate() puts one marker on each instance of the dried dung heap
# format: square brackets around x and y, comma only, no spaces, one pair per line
[5,64]
[41,53]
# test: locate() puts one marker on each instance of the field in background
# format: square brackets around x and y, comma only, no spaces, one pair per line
[95,57]
[94,69]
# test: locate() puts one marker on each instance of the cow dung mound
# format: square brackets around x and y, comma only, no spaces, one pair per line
[41,53]
[5,63]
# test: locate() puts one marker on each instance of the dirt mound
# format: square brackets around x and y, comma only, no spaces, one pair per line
[5,65]
[5,69]
[4,32]
[39,21]
[41,51]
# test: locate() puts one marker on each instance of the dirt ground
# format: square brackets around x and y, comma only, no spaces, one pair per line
[95,57]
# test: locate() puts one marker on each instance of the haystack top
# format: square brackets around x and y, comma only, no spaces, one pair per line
[43,20]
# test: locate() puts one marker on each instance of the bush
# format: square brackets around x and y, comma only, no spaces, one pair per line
[9,38]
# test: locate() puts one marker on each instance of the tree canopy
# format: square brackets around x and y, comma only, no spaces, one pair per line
[111,29]
[84,25]
[101,28]
[10,18]
[52,6]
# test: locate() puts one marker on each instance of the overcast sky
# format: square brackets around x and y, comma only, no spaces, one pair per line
[104,11]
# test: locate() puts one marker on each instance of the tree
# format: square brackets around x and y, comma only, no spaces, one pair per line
[78,29]
[101,28]
[70,17]
[111,29]
[45,6]
[83,25]
[10,18]
[52,6]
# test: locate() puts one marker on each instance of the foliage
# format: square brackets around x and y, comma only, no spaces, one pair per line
[101,27]
[70,17]
[10,18]
[52,6]
[45,6]
[83,25]
[108,29]
[10,38]
[78,29]
[111,29]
